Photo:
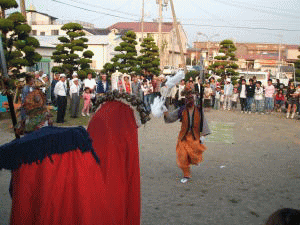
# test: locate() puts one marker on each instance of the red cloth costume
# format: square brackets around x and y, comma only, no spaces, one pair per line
[113,130]
[70,186]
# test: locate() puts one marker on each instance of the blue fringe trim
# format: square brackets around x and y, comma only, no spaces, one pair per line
[45,142]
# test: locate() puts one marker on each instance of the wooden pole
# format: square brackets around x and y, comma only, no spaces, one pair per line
[160,35]
[143,14]
[23,8]
[178,36]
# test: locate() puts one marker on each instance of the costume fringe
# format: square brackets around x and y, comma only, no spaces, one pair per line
[45,142]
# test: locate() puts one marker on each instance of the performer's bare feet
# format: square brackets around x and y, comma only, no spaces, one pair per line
[185,180]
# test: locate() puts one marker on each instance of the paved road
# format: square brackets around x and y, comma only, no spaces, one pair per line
[250,169]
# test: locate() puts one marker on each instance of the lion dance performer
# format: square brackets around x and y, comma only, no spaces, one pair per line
[189,147]
[73,176]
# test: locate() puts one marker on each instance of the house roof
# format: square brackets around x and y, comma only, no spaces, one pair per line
[149,27]
[254,57]
[97,31]
[52,17]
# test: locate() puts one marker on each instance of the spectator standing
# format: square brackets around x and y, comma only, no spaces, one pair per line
[74,98]
[228,91]
[250,91]
[147,90]
[259,98]
[53,83]
[127,85]
[198,86]
[292,97]
[269,96]
[213,93]
[181,97]
[207,96]
[279,100]
[243,98]
[86,102]
[156,89]
[91,84]
[217,98]
[60,91]
[136,87]
[103,85]
[234,99]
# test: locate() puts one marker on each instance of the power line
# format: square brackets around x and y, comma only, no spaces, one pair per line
[255,9]
[112,10]
[241,27]
[262,6]
[107,14]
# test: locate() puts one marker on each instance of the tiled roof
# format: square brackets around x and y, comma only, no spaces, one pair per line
[97,31]
[149,27]
[254,57]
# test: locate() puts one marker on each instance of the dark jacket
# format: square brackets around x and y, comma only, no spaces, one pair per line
[100,87]
[250,90]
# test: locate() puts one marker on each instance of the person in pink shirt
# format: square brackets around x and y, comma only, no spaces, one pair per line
[269,96]
[87,102]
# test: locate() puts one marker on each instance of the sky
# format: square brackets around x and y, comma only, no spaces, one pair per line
[267,21]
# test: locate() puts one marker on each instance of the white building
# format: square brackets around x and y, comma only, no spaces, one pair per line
[47,29]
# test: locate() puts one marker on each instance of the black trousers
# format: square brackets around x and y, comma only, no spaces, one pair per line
[61,108]
[243,102]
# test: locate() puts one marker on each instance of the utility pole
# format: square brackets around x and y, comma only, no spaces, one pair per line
[178,36]
[23,8]
[159,2]
[143,14]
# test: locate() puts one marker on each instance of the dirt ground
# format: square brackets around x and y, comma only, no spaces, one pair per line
[251,168]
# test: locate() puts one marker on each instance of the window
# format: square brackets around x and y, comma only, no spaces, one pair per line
[54,32]
[42,33]
[34,33]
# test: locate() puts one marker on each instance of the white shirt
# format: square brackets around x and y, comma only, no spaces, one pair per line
[243,92]
[180,89]
[217,96]
[104,85]
[60,89]
[74,90]
[259,93]
[90,83]
[234,97]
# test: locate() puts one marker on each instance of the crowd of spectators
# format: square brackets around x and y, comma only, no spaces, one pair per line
[251,97]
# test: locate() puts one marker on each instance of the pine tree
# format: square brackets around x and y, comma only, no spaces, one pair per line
[149,60]
[126,60]
[226,66]
[67,52]
[19,47]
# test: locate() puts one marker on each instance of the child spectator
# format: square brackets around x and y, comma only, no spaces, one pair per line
[243,99]
[217,98]
[86,102]
[250,95]
[279,100]
[259,97]
[222,99]
[269,94]
[234,99]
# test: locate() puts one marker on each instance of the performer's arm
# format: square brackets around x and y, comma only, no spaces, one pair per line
[171,117]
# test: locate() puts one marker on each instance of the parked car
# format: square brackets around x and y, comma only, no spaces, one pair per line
[169,70]
[190,68]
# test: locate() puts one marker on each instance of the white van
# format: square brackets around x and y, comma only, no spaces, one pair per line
[263,77]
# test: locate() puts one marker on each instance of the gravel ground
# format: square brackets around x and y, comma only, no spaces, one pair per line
[250,169]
